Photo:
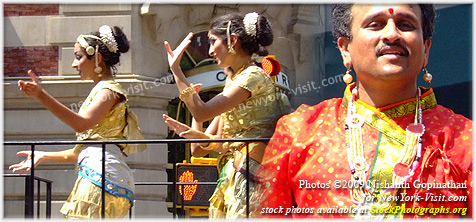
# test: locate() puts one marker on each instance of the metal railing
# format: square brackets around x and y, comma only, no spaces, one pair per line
[29,201]
[29,194]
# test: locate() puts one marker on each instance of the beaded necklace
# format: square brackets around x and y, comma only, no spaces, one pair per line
[362,190]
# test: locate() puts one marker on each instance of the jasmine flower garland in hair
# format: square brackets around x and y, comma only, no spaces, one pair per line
[249,22]
[107,38]
[255,57]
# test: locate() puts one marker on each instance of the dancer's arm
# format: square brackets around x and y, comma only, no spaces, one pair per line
[190,133]
[200,110]
[40,156]
[215,129]
[98,109]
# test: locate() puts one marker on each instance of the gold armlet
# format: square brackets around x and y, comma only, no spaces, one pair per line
[186,93]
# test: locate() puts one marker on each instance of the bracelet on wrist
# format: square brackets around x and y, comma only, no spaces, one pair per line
[210,145]
[187,92]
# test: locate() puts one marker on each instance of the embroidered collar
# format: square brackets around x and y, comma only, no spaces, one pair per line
[398,109]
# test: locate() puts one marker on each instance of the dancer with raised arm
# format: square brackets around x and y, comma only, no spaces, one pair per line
[104,115]
[234,42]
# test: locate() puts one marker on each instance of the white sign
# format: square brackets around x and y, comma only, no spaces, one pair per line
[216,79]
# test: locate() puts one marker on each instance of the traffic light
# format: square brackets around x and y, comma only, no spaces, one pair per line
[197,193]
[270,65]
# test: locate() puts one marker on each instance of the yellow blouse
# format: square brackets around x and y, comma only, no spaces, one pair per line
[112,126]
[256,116]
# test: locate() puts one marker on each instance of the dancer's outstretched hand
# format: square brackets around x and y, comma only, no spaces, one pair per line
[31,88]
[180,129]
[25,165]
[175,56]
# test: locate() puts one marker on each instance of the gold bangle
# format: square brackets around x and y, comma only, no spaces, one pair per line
[210,146]
[186,93]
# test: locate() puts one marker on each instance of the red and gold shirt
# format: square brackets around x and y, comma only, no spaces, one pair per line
[305,170]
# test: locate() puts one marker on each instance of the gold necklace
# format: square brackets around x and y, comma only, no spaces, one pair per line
[242,68]
[362,191]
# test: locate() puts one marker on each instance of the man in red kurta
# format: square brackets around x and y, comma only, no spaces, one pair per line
[313,166]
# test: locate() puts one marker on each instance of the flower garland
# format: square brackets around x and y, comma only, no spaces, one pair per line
[249,22]
[108,38]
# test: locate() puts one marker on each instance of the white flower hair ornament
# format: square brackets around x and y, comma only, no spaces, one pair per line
[249,22]
[108,38]
[255,57]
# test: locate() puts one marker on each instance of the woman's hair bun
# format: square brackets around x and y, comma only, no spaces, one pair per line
[121,39]
[264,32]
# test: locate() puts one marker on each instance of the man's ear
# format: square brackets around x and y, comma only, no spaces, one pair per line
[427,52]
[343,44]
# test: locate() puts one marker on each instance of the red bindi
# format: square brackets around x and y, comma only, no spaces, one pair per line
[390,10]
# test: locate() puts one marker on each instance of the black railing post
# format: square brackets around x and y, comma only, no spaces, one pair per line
[48,200]
[29,187]
[130,213]
[182,199]
[28,198]
[38,198]
[174,184]
[103,182]
[247,181]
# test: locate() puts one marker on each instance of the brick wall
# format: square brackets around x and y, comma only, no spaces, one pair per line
[30,9]
[42,60]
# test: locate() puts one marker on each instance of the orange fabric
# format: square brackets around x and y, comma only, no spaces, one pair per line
[309,146]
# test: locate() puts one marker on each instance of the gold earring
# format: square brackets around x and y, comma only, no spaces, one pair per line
[97,68]
[348,77]
[427,76]
[231,50]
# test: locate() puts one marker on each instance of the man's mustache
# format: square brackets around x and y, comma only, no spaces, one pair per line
[386,45]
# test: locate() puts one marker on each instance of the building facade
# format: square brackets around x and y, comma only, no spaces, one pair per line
[41,37]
